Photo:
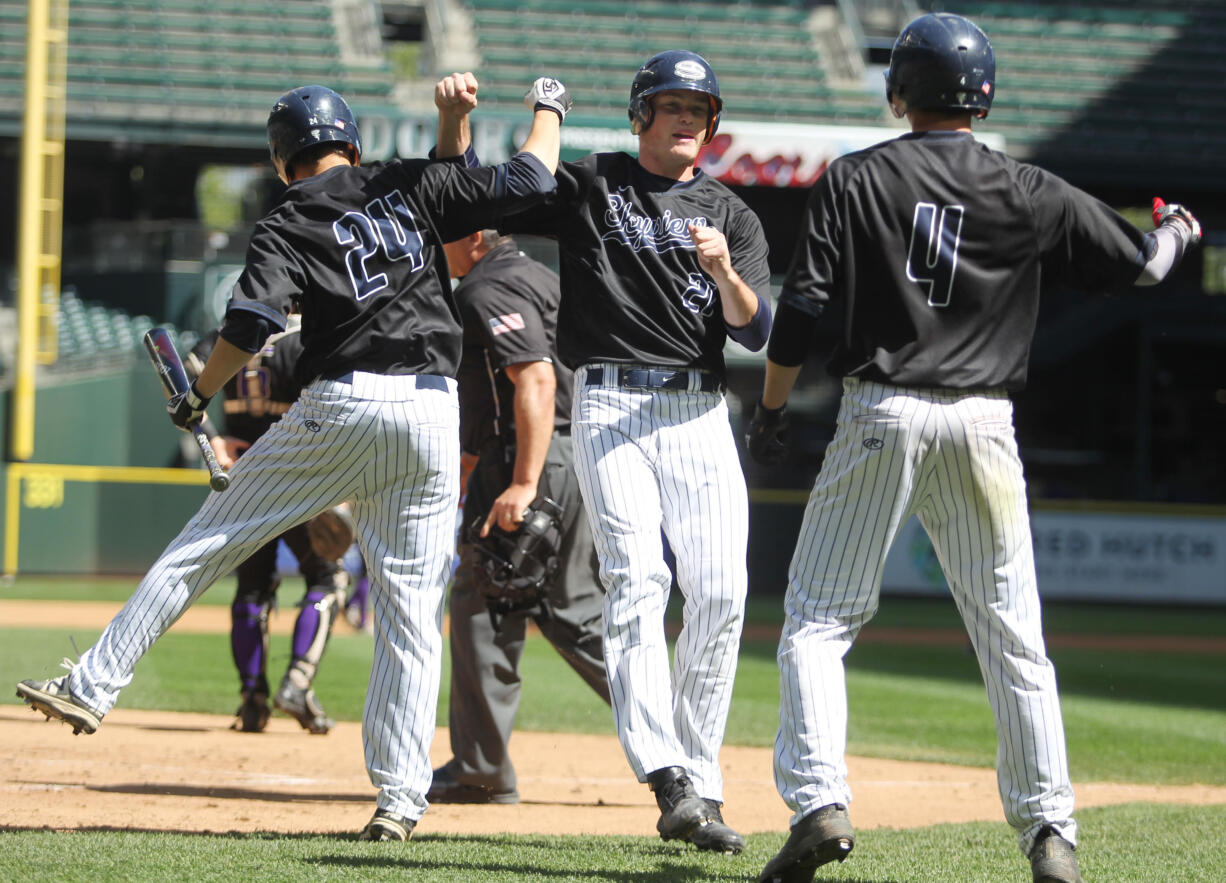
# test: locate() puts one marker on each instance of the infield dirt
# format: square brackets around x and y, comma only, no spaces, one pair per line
[163,771]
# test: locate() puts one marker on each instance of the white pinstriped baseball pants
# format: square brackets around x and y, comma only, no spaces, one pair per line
[393,449]
[950,459]
[646,459]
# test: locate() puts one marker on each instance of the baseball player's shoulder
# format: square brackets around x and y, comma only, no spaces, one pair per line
[605,164]
[732,211]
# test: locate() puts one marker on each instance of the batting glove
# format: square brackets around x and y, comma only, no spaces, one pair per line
[1177,214]
[768,434]
[549,94]
[186,408]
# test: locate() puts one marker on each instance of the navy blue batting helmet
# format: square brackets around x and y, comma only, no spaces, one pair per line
[310,115]
[668,71]
[942,61]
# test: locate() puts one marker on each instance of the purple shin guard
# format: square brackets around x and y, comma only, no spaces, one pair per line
[248,644]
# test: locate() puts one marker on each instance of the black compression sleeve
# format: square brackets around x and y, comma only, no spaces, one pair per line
[791,336]
[525,175]
[246,330]
[755,332]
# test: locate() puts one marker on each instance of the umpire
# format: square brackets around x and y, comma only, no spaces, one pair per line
[515,434]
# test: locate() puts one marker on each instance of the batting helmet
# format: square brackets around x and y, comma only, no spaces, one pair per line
[310,115]
[942,61]
[668,71]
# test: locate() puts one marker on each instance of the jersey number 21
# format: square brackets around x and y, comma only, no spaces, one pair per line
[932,259]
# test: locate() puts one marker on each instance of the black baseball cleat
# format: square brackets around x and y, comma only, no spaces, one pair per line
[823,836]
[253,714]
[1053,859]
[385,825]
[681,809]
[55,700]
[714,834]
[445,788]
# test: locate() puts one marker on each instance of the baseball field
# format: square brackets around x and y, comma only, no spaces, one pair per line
[165,790]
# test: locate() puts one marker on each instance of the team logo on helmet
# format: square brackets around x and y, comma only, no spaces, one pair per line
[690,70]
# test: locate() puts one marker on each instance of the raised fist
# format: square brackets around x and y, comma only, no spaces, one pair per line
[456,94]
[550,94]
[1175,213]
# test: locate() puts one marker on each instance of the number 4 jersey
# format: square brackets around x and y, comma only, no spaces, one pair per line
[361,249]
[936,246]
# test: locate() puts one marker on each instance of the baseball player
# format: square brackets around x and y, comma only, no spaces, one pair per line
[255,398]
[359,250]
[516,432]
[936,247]
[659,266]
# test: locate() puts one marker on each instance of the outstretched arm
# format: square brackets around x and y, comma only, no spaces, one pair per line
[550,102]
[1177,232]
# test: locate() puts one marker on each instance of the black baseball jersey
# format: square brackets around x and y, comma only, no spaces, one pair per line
[509,306]
[359,250]
[937,246]
[263,389]
[632,288]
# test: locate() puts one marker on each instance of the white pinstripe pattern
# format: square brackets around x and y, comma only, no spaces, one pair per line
[646,459]
[951,460]
[394,451]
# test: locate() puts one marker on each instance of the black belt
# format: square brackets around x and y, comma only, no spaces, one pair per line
[635,377]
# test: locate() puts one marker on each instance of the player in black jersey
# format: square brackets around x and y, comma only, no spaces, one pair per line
[515,435]
[358,249]
[659,266]
[936,247]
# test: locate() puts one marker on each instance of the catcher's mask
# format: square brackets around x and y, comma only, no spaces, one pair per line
[514,569]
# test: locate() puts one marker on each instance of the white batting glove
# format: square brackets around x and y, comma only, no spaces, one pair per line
[549,94]
[1176,214]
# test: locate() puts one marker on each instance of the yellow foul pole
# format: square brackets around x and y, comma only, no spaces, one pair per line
[40,209]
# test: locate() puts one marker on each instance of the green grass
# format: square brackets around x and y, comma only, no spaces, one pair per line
[1130,716]
[1125,844]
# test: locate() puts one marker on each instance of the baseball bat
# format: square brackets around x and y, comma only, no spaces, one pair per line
[169,366]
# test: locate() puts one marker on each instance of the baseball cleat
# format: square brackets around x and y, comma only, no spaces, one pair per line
[55,700]
[681,809]
[1053,859]
[252,716]
[714,835]
[387,826]
[445,788]
[304,707]
[823,836]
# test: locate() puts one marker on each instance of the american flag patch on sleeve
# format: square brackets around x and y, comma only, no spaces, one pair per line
[503,324]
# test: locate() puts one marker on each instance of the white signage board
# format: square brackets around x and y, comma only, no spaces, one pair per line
[1096,555]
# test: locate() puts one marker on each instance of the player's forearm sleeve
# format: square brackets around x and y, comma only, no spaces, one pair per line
[1161,251]
[525,175]
[754,333]
[791,335]
[246,329]
[468,159]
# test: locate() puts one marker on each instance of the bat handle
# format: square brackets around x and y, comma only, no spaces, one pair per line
[218,479]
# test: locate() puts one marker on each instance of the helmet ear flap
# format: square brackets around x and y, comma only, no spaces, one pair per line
[713,122]
[641,113]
